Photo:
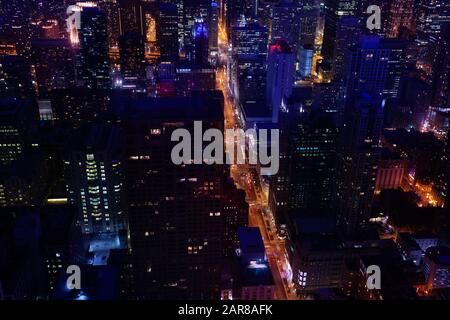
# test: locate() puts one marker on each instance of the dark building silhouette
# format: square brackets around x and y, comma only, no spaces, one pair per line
[15,80]
[93,52]
[132,60]
[348,30]
[54,64]
[334,11]
[167,31]
[176,212]
[359,153]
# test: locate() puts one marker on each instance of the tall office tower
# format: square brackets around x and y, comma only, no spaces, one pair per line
[366,66]
[133,34]
[250,39]
[132,60]
[53,63]
[305,59]
[194,10]
[213,34]
[132,17]
[401,15]
[264,12]
[414,102]
[249,43]
[15,121]
[286,22]
[235,209]
[305,183]
[330,97]
[15,77]
[334,11]
[93,47]
[397,66]
[251,9]
[111,7]
[180,20]
[432,15]
[280,75]
[235,10]
[251,77]
[312,172]
[359,153]
[441,71]
[94,179]
[200,42]
[23,182]
[176,216]
[167,31]
[348,30]
[309,19]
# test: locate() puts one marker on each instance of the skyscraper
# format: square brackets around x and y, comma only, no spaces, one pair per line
[235,10]
[213,34]
[309,21]
[249,61]
[359,152]
[431,17]
[305,183]
[397,65]
[348,30]
[201,42]
[92,38]
[167,31]
[111,7]
[95,179]
[133,34]
[313,146]
[280,75]
[334,11]
[441,70]
[366,67]
[53,62]
[194,10]
[14,77]
[132,17]
[251,75]
[175,211]
[251,38]
[132,60]
[286,22]
[15,123]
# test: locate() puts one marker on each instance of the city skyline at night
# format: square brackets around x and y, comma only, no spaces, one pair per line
[225,150]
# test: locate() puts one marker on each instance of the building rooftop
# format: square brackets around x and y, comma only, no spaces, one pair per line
[200,106]
[439,255]
[250,239]
[257,275]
